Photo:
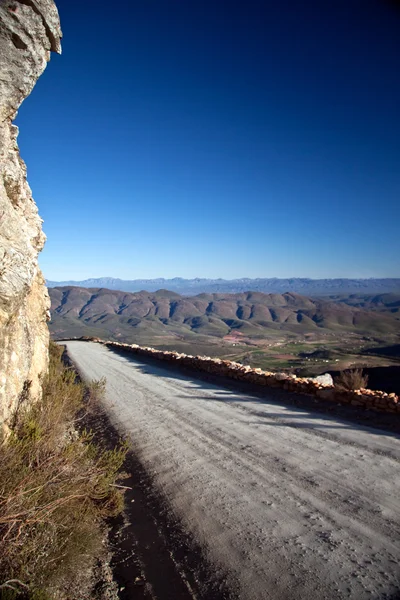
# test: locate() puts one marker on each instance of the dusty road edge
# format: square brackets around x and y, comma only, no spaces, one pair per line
[152,555]
[358,416]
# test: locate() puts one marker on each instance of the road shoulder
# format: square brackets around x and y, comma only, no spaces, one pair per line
[151,554]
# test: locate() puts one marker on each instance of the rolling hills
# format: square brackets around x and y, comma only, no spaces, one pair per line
[122,315]
[376,302]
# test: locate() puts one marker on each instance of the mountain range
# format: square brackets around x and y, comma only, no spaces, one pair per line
[123,315]
[189,287]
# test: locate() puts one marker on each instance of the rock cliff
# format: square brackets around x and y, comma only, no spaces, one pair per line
[29,32]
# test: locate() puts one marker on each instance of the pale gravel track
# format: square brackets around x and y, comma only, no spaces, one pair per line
[287,503]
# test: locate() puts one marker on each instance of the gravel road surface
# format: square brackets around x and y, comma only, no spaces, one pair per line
[287,503]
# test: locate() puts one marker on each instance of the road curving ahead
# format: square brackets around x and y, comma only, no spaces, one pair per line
[287,503]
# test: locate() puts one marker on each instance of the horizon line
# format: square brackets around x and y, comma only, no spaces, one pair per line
[221,278]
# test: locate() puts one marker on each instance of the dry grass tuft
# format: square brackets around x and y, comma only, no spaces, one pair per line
[351,380]
[56,487]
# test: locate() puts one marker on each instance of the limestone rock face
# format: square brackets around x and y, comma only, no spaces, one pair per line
[29,31]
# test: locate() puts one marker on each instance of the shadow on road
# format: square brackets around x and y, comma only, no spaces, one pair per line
[308,407]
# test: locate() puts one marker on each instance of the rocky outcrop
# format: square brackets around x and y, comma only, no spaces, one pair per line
[29,32]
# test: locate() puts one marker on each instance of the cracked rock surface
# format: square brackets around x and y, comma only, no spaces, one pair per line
[29,32]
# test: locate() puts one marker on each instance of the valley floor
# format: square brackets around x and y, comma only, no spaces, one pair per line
[284,502]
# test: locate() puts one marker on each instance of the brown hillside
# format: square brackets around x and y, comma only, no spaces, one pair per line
[74,310]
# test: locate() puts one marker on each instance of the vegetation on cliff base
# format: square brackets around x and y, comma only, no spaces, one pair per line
[56,487]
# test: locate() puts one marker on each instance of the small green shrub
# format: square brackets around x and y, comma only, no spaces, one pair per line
[56,487]
[352,379]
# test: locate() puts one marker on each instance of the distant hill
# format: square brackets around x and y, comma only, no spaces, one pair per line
[191,287]
[118,314]
[380,302]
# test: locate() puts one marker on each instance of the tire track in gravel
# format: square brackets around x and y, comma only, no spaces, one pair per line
[287,503]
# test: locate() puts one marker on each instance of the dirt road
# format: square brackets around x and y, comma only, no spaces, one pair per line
[288,503]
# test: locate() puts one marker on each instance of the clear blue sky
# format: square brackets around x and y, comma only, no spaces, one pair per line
[219,139]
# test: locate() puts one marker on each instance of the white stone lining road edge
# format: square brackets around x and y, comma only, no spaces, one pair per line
[289,504]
